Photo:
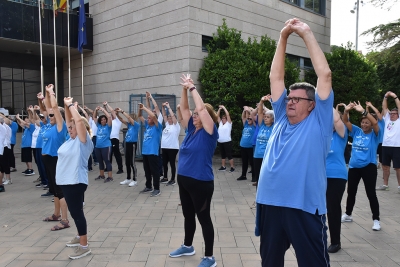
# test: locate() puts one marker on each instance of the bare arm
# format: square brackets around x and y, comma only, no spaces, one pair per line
[130,120]
[107,106]
[338,123]
[154,104]
[164,114]
[228,117]
[140,116]
[244,112]
[117,112]
[6,120]
[53,103]
[151,115]
[42,107]
[369,105]
[84,112]
[345,116]
[184,107]
[72,112]
[174,120]
[374,122]
[219,114]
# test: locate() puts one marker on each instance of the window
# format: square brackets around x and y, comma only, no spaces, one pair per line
[317,6]
[205,40]
[301,62]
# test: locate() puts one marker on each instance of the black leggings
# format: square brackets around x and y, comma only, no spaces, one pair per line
[116,152]
[130,154]
[103,155]
[257,168]
[169,156]
[334,194]
[150,165]
[74,196]
[195,198]
[5,161]
[50,164]
[368,174]
[247,156]
[12,157]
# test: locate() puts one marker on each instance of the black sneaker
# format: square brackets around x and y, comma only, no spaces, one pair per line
[29,172]
[251,171]
[47,194]
[155,193]
[146,190]
[120,171]
[38,185]
[45,186]
[164,180]
[232,170]
[25,171]
[222,168]
[241,178]
[172,182]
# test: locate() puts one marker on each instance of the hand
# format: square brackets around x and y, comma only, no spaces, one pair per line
[148,95]
[36,107]
[167,105]
[49,89]
[368,104]
[288,29]
[76,105]
[300,28]
[358,107]
[187,82]
[117,110]
[349,107]
[246,108]
[105,103]
[393,95]
[40,95]
[140,106]
[178,106]
[221,107]
[98,108]
[30,108]
[17,116]
[266,98]
[85,107]
[68,101]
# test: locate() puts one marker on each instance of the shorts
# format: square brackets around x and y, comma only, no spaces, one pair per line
[226,150]
[389,154]
[26,154]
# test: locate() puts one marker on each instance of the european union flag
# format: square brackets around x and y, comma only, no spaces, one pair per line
[82,26]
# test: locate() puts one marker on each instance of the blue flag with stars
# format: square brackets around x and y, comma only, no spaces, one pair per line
[82,26]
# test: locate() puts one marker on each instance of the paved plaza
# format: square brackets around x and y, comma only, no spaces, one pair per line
[126,228]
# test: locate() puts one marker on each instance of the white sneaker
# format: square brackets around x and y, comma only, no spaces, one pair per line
[7,182]
[346,218]
[376,226]
[133,183]
[125,182]
[382,187]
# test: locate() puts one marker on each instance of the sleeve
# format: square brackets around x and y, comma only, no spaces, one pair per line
[355,131]
[323,109]
[279,106]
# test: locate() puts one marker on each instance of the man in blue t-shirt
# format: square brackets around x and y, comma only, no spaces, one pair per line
[291,200]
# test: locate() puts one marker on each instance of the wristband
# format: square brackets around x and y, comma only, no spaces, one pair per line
[365,113]
[193,88]
[70,105]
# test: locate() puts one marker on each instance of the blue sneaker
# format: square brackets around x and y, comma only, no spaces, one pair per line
[207,262]
[182,251]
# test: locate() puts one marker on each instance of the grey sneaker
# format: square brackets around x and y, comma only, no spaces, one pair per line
[80,252]
[74,242]
[146,190]
[108,179]
[182,251]
[346,218]
[382,187]
[155,193]
[171,182]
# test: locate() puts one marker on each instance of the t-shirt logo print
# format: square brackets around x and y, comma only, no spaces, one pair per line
[390,126]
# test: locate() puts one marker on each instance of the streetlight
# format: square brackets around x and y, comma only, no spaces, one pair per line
[356,8]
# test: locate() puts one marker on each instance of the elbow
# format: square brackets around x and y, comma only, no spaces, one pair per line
[326,74]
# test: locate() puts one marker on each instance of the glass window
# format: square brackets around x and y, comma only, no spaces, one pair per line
[317,6]
[205,40]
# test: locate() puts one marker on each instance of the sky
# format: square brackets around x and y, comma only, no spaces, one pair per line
[343,28]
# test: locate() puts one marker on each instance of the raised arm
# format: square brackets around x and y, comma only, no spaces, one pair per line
[42,107]
[109,119]
[31,115]
[51,96]
[112,111]
[154,104]
[365,113]
[6,120]
[21,122]
[228,117]
[36,118]
[94,114]
[117,112]
[321,67]
[128,117]
[171,112]
[345,116]
[219,114]
[369,105]
[338,123]
[244,112]
[83,111]
[260,108]
[164,113]
[140,115]
[206,120]
[151,115]
[277,72]
[71,112]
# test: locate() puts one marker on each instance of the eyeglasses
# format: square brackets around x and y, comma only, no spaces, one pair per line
[41,117]
[296,100]
[249,119]
[393,113]
[195,114]
[51,115]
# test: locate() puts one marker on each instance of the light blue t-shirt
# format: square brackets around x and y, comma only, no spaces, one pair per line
[27,136]
[52,139]
[132,133]
[381,124]
[14,130]
[255,133]
[264,133]
[43,129]
[293,171]
[72,162]
[151,139]
[247,135]
[363,151]
[335,162]
[103,135]
[196,153]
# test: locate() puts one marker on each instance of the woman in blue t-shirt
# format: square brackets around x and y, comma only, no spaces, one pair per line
[131,139]
[26,143]
[336,172]
[266,124]
[195,174]
[362,163]
[246,147]
[103,143]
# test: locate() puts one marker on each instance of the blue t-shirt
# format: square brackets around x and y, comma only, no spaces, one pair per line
[381,124]
[255,133]
[103,136]
[196,153]
[27,136]
[363,151]
[293,171]
[14,130]
[247,135]
[264,133]
[43,129]
[132,133]
[52,139]
[335,162]
[151,139]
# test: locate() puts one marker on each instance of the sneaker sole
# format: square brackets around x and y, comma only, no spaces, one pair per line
[80,256]
[29,174]
[184,254]
[156,195]
[346,220]
[376,229]
[166,182]
[72,245]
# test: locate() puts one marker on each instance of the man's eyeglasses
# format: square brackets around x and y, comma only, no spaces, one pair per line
[296,100]
[393,113]
[249,119]
[51,115]
[41,117]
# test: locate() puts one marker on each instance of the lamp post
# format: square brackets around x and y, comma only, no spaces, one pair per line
[356,9]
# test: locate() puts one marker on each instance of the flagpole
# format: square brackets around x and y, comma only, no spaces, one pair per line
[41,49]
[83,94]
[55,49]
[69,54]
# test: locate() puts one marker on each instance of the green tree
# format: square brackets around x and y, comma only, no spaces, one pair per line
[354,78]
[236,73]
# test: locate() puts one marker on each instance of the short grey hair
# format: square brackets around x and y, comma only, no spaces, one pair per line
[270,112]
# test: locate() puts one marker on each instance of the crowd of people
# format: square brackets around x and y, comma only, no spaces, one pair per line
[295,150]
